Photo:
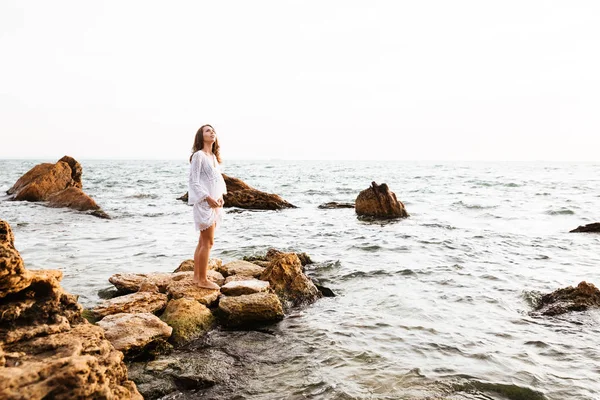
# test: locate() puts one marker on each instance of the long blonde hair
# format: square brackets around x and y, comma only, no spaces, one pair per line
[199,143]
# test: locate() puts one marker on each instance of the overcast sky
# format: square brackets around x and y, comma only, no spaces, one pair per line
[431,80]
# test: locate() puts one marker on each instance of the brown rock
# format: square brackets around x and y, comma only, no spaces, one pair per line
[595,227]
[250,309]
[140,302]
[187,288]
[289,282]
[240,267]
[379,202]
[47,349]
[73,198]
[188,318]
[241,195]
[584,296]
[238,288]
[131,333]
[334,204]
[147,286]
[131,282]
[272,254]
[235,278]
[76,170]
[188,265]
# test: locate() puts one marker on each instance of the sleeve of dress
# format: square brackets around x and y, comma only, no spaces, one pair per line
[197,190]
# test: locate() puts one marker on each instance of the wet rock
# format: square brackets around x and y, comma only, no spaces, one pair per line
[250,309]
[59,184]
[187,288]
[140,302]
[133,333]
[289,282]
[379,202]
[238,288]
[273,254]
[595,227]
[580,298]
[131,282]
[47,349]
[334,204]
[188,265]
[188,318]
[240,267]
[325,291]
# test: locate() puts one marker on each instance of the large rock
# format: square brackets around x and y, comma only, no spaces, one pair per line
[133,333]
[289,282]
[131,282]
[188,318]
[379,202]
[140,302]
[239,194]
[240,267]
[188,265]
[250,309]
[595,227]
[185,287]
[272,254]
[250,286]
[211,275]
[47,349]
[580,298]
[59,184]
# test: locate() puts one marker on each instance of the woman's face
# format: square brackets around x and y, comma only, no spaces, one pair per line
[208,134]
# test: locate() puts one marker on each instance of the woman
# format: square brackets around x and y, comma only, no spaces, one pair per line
[206,190]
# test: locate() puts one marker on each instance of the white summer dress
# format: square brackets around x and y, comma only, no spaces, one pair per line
[205,180]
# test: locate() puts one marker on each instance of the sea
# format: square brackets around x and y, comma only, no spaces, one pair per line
[434,306]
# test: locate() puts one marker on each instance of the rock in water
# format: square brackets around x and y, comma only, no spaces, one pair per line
[379,202]
[241,287]
[584,296]
[240,267]
[188,318]
[334,204]
[59,184]
[47,349]
[289,282]
[250,309]
[595,227]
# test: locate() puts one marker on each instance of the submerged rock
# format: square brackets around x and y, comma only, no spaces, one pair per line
[47,349]
[334,204]
[188,318]
[580,298]
[59,184]
[379,202]
[250,309]
[595,227]
[287,279]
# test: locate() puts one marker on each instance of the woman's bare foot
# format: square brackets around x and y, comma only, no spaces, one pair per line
[207,284]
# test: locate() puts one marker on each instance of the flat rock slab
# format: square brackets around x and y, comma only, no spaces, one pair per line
[187,288]
[140,302]
[239,288]
[250,309]
[129,332]
[131,282]
[212,275]
[240,267]
[188,265]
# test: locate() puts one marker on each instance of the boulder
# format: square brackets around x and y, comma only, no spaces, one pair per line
[240,267]
[250,309]
[135,333]
[379,202]
[185,287]
[238,288]
[273,254]
[333,204]
[211,275]
[289,282]
[131,282]
[47,349]
[580,298]
[140,302]
[188,318]
[59,184]
[595,227]
[239,194]
[188,265]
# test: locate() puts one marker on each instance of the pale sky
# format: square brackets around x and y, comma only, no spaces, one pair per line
[406,80]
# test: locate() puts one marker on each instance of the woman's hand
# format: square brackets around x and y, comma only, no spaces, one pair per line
[212,202]
[221,201]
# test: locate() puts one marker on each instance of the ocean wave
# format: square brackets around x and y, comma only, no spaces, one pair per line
[143,196]
[473,206]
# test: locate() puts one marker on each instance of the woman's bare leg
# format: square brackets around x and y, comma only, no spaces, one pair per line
[205,244]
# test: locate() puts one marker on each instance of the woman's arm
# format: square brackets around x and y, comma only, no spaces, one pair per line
[197,190]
